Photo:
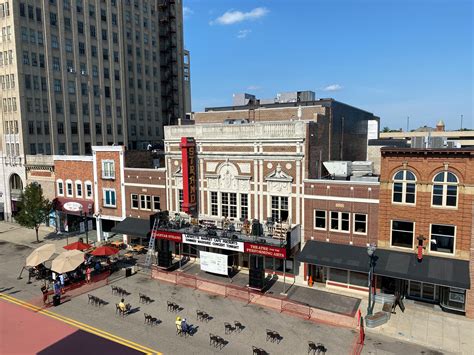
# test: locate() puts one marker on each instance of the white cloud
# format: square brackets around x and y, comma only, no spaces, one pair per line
[187,11]
[254,87]
[230,17]
[243,33]
[333,87]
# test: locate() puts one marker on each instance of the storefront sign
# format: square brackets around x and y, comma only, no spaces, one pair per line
[266,250]
[173,236]
[213,262]
[188,168]
[72,206]
[213,242]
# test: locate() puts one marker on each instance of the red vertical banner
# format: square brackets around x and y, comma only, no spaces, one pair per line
[188,167]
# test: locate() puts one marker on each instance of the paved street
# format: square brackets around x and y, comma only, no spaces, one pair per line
[295,332]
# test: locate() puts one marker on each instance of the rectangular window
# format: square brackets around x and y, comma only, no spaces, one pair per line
[145,202]
[442,238]
[339,221]
[402,234]
[69,188]
[60,188]
[360,223]
[320,219]
[229,204]
[108,169]
[88,190]
[180,199]
[109,198]
[78,189]
[214,204]
[156,203]
[134,201]
[244,206]
[280,210]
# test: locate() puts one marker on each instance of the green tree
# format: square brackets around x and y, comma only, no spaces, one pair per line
[33,207]
[386,129]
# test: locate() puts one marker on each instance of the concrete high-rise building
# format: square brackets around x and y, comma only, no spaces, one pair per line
[80,73]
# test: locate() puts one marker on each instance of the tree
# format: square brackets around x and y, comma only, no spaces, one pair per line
[386,129]
[33,208]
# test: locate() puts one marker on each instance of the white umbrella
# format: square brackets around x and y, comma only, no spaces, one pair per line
[67,261]
[40,255]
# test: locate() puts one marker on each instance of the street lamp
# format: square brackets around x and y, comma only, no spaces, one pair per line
[85,220]
[370,251]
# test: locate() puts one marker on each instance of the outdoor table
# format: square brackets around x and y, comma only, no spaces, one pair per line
[117,243]
[138,248]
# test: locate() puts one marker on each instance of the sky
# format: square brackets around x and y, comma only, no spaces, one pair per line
[394,58]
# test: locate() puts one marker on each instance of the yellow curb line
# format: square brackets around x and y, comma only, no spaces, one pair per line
[82,326]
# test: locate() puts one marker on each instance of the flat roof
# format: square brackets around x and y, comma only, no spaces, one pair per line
[427,151]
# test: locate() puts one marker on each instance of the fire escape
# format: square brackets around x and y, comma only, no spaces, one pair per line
[169,61]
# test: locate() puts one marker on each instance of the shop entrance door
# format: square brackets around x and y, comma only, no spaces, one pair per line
[423,291]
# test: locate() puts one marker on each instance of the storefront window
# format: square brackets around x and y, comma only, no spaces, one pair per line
[288,265]
[338,275]
[358,279]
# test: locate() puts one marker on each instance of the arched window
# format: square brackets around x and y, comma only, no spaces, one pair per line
[445,189]
[404,187]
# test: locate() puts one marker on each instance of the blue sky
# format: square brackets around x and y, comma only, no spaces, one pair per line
[395,58]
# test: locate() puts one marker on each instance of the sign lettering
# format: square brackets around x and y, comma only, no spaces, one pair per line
[213,242]
[188,162]
[173,236]
[266,250]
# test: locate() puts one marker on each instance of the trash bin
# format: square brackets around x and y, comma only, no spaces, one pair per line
[128,272]
[56,300]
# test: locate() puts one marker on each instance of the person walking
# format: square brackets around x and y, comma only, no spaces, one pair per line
[88,274]
[61,281]
[44,290]
[178,325]
[184,326]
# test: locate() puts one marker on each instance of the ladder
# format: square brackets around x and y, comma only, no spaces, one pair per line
[151,244]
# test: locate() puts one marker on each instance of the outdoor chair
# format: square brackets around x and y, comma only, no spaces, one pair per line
[170,306]
[147,318]
[221,342]
[206,317]
[258,351]
[273,336]
[238,326]
[199,315]
[142,298]
[212,339]
[321,349]
[114,289]
[312,347]
[228,328]
[90,298]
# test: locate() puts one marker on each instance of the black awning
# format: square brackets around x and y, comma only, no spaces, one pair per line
[335,255]
[401,265]
[432,269]
[136,227]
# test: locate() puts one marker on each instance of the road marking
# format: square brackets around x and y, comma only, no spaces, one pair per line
[80,325]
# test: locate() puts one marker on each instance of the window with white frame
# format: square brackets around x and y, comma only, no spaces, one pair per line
[320,219]
[110,198]
[214,203]
[360,223]
[340,221]
[229,204]
[134,201]
[60,187]
[88,186]
[445,189]
[280,210]
[78,189]
[69,191]
[156,203]
[180,199]
[404,187]
[145,202]
[108,169]
[442,238]
[402,234]
[244,206]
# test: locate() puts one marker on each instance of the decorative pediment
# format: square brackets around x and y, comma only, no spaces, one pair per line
[279,175]
[227,179]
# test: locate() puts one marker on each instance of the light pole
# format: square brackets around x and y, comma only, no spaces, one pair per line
[370,251]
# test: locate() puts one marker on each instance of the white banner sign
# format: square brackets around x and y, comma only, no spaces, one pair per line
[212,262]
[213,242]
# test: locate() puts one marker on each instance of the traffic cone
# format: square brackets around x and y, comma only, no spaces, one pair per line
[310,281]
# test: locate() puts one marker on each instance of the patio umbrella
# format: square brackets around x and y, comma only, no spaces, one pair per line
[40,255]
[105,251]
[77,246]
[67,261]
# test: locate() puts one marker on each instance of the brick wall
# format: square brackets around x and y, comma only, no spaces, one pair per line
[74,170]
[115,183]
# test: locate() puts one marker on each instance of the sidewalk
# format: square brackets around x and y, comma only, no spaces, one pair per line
[426,325]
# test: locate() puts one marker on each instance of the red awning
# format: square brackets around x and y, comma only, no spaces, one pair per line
[74,206]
